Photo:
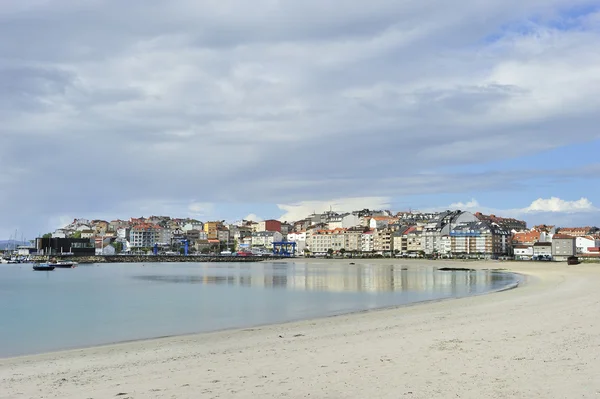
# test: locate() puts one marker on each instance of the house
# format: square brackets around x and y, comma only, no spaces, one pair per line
[587,244]
[578,231]
[542,250]
[223,234]
[212,228]
[269,225]
[193,225]
[563,246]
[380,222]
[523,251]
[507,223]
[265,239]
[526,237]
[299,238]
[343,221]
[117,224]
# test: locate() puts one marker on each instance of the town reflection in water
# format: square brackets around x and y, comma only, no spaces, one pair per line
[337,277]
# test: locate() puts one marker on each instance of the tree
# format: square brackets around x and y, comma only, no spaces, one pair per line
[343,251]
[47,235]
[77,234]
[205,250]
[330,251]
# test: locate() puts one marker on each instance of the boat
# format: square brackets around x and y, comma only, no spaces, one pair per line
[43,267]
[63,264]
[573,260]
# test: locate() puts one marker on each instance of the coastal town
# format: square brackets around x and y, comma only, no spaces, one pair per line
[362,233]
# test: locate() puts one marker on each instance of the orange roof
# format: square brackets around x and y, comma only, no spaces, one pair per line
[563,237]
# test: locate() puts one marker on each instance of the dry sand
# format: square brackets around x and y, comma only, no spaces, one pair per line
[541,340]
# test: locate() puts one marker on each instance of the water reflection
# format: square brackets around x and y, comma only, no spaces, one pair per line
[338,278]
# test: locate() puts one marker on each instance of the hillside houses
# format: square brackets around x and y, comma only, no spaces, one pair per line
[451,233]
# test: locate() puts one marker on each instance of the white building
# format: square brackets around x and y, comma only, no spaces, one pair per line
[584,244]
[266,238]
[343,221]
[300,239]
[367,241]
[523,252]
[193,226]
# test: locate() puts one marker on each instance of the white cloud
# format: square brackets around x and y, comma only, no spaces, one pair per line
[473,204]
[555,204]
[201,209]
[253,217]
[302,209]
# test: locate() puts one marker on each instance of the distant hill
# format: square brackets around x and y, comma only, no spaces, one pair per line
[10,244]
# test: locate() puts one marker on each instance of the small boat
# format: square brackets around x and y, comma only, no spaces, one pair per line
[573,260]
[63,264]
[43,267]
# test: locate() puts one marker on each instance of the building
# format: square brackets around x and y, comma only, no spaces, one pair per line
[479,238]
[212,229]
[578,231]
[343,221]
[269,225]
[382,240]
[223,235]
[300,239]
[524,251]
[435,229]
[380,222]
[353,238]
[319,242]
[143,235]
[265,239]
[509,224]
[193,225]
[563,246]
[542,250]
[367,241]
[526,237]
[73,246]
[587,244]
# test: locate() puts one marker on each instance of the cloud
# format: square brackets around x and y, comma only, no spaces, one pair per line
[204,103]
[302,209]
[473,204]
[253,217]
[551,210]
[555,204]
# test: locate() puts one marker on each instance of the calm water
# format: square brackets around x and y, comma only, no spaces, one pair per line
[99,304]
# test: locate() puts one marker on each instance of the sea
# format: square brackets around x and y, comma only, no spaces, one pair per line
[108,303]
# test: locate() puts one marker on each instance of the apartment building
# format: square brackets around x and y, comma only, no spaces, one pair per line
[212,229]
[563,246]
[479,238]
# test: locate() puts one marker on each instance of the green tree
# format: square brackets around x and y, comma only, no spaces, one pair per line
[343,251]
[205,250]
[47,235]
[77,234]
[330,251]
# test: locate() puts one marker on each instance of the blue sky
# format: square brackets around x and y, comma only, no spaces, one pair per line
[223,110]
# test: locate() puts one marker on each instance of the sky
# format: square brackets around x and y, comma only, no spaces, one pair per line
[277,108]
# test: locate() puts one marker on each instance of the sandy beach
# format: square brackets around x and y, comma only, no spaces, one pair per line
[541,340]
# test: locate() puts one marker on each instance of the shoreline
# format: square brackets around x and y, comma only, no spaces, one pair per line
[524,342]
[520,280]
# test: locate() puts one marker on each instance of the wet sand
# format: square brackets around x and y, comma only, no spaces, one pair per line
[540,340]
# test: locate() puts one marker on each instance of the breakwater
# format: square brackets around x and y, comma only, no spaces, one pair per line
[154,258]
